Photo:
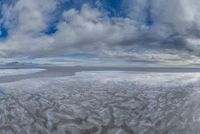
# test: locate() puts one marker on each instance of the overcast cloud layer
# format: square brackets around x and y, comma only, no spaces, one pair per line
[156,32]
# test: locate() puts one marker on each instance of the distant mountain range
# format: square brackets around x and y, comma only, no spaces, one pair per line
[18,64]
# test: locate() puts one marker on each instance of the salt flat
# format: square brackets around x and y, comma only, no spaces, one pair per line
[58,71]
[101,102]
[14,72]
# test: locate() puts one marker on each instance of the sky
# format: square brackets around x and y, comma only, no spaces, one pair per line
[101,32]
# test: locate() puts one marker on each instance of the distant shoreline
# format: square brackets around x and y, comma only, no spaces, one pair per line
[69,71]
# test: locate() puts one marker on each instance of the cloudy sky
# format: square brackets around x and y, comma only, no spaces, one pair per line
[101,32]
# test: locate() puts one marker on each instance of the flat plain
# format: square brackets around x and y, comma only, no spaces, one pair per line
[102,100]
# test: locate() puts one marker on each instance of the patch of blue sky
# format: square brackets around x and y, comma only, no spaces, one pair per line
[51,29]
[149,20]
[114,8]
[3,33]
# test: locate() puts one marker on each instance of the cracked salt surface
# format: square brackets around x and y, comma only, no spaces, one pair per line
[102,103]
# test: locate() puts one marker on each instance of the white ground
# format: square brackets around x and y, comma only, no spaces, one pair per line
[12,72]
[101,103]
